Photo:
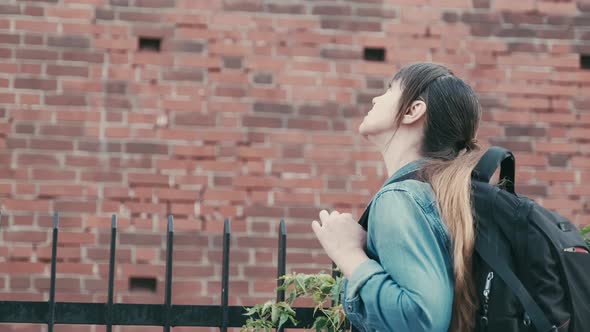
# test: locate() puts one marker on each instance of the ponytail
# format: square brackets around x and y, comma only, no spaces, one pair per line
[451,183]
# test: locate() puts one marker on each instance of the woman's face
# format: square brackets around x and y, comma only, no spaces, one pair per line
[381,117]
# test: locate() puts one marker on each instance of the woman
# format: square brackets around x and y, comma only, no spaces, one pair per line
[411,270]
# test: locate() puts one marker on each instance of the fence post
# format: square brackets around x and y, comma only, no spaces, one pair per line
[168,294]
[109,317]
[51,320]
[282,257]
[225,277]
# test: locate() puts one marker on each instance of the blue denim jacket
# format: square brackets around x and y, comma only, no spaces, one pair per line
[407,284]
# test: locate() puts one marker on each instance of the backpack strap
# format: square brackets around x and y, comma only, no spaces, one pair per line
[489,162]
[536,314]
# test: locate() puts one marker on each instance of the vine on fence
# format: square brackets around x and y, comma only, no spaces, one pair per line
[319,287]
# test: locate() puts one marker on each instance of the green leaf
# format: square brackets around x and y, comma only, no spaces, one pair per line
[274,314]
[266,307]
[282,320]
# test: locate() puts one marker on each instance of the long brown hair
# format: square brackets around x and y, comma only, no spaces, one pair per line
[452,119]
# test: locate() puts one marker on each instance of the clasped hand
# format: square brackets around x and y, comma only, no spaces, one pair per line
[342,238]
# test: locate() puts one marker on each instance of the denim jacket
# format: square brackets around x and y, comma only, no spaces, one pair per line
[407,284]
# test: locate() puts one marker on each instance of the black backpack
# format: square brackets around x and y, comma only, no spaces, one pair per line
[531,266]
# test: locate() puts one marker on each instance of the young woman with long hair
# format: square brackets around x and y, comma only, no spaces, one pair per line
[411,269]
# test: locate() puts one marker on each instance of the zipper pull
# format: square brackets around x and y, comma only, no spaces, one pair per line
[486,295]
[488,285]
[576,249]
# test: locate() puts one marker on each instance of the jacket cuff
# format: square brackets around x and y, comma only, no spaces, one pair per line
[360,276]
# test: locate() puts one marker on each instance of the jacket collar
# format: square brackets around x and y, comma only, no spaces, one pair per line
[406,169]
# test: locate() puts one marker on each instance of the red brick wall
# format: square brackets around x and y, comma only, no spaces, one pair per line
[249,111]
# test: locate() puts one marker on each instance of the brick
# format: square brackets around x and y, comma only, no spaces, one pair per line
[525,131]
[33,11]
[7,38]
[195,119]
[98,147]
[33,54]
[62,130]
[381,12]
[243,5]
[26,205]
[73,238]
[262,78]
[68,41]
[104,14]
[272,108]
[139,17]
[195,151]
[259,121]
[341,54]
[56,175]
[155,3]
[555,176]
[28,159]
[27,268]
[65,100]
[57,70]
[26,236]
[340,10]
[73,206]
[61,191]
[307,124]
[147,179]
[146,148]
[35,84]
[351,25]
[50,144]
[35,26]
[101,176]
[10,9]
[83,56]
[183,75]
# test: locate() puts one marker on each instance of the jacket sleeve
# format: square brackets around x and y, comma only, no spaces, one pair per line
[411,288]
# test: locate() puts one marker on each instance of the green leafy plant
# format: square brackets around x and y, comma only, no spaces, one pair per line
[270,315]
[320,288]
[585,231]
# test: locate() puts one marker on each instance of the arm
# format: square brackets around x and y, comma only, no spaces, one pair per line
[411,289]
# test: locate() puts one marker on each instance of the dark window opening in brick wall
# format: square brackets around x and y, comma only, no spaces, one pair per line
[142,284]
[374,54]
[150,44]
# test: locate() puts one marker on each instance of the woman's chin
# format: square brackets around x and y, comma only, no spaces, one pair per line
[361,129]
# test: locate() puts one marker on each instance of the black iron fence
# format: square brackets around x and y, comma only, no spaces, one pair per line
[166,315]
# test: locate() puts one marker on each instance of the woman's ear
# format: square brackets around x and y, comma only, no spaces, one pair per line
[415,112]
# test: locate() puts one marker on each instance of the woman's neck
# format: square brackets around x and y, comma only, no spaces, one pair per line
[394,160]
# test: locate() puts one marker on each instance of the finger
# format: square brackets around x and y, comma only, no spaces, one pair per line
[346,216]
[324,215]
[316,226]
[334,213]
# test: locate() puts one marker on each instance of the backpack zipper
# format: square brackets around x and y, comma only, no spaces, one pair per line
[576,249]
[486,297]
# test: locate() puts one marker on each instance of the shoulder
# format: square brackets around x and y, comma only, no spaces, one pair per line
[412,191]
[410,199]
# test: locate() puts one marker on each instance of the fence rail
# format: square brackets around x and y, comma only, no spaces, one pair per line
[166,315]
